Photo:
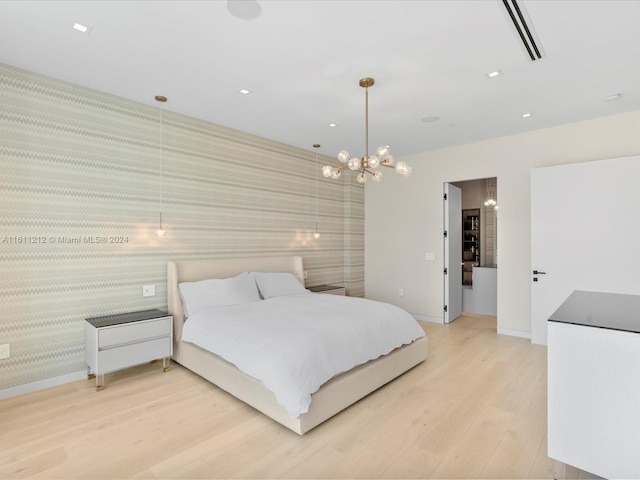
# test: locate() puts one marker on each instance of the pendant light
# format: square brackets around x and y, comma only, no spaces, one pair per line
[491,190]
[161,232]
[316,234]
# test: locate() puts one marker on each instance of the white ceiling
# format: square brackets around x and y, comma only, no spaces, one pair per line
[303,60]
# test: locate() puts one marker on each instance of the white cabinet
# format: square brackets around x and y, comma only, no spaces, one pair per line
[593,388]
[115,342]
[485,290]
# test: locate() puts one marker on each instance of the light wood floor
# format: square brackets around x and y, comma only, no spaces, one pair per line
[475,409]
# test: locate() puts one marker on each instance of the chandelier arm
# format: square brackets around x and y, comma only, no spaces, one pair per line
[386,165]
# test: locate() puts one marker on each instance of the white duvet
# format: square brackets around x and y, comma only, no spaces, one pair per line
[295,343]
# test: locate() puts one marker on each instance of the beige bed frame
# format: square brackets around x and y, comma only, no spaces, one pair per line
[334,396]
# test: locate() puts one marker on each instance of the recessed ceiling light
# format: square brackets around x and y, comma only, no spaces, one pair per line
[430,119]
[80,27]
[612,98]
[244,9]
[494,74]
[244,91]
[333,125]
[526,115]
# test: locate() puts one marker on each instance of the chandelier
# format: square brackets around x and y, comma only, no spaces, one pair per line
[367,164]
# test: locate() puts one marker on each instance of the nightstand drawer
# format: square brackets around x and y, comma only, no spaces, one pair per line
[133,332]
[128,355]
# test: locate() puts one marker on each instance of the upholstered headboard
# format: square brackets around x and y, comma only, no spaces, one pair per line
[202,269]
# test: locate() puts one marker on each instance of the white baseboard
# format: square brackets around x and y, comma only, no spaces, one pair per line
[501,331]
[514,333]
[42,384]
[427,318]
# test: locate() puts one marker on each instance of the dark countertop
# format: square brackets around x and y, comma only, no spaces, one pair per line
[118,319]
[323,288]
[613,311]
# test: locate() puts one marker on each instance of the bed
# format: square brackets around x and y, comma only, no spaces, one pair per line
[333,396]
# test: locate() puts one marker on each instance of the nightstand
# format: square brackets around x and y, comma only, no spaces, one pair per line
[115,342]
[330,289]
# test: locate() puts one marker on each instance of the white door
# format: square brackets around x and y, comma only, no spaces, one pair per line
[585,233]
[452,252]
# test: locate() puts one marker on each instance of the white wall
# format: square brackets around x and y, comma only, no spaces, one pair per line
[404,216]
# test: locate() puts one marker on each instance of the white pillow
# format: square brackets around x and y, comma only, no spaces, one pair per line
[218,292]
[278,284]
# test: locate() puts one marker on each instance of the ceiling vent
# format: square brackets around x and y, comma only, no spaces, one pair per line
[523,29]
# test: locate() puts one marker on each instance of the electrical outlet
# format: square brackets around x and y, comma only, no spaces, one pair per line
[5,351]
[401,292]
[148,290]
[306,274]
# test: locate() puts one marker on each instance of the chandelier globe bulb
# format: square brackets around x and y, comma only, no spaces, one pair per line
[383,151]
[343,156]
[403,169]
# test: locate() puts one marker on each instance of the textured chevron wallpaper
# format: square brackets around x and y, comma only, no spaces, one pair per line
[80,189]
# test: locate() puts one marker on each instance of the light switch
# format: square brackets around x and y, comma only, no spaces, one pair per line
[430,256]
[148,290]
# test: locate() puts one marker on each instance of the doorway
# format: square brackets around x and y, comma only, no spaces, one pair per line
[472,248]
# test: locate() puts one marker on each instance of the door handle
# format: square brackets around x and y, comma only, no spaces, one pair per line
[537,272]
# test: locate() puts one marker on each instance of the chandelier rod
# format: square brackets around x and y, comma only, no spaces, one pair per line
[366,121]
[366,83]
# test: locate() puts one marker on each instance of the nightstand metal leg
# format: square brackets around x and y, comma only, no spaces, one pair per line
[90,376]
[166,364]
[99,383]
